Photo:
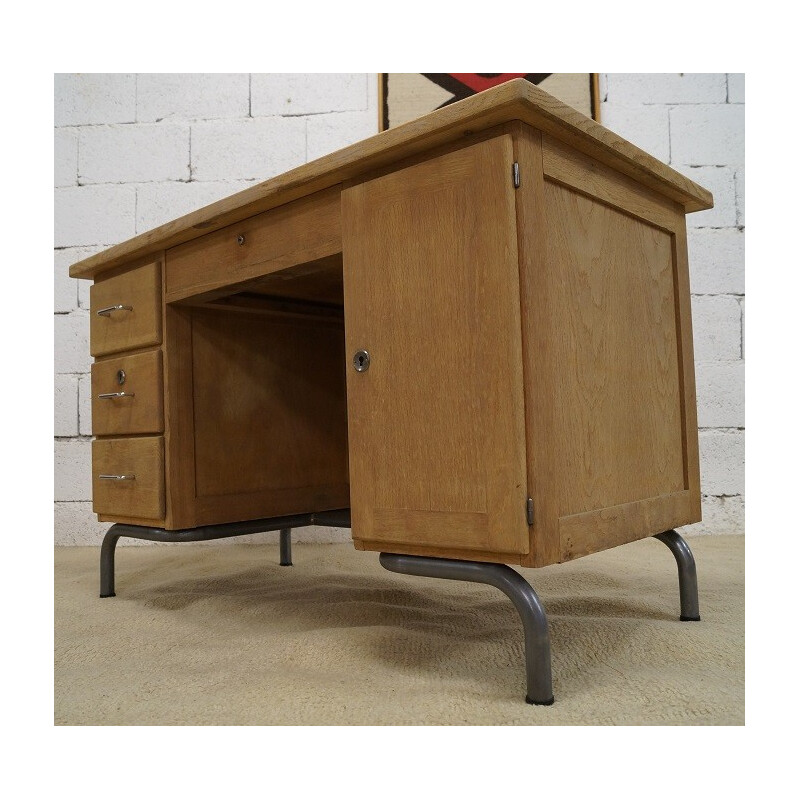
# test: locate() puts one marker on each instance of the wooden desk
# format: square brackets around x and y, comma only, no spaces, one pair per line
[473,330]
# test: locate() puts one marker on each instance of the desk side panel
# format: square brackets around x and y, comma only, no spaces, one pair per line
[610,406]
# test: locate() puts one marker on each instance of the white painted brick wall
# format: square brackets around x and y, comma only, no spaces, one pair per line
[721,452]
[736,87]
[134,151]
[69,293]
[73,474]
[720,395]
[157,203]
[72,343]
[94,98]
[247,148]
[302,94]
[704,134]
[716,260]
[66,405]
[329,132]
[739,190]
[178,96]
[717,328]
[85,405]
[90,215]
[649,126]
[720,515]
[65,289]
[66,157]
[75,524]
[720,181]
[664,89]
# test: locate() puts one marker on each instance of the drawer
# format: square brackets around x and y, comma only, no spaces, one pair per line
[127,394]
[298,233]
[126,311]
[137,490]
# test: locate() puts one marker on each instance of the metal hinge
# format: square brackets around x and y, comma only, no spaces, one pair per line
[515,174]
[529,510]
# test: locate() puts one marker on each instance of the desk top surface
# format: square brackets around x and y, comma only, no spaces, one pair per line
[508,102]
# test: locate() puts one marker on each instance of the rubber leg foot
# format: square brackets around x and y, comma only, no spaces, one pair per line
[690,619]
[540,702]
[287,564]
[113,594]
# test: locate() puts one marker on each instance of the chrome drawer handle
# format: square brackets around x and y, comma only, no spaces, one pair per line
[106,312]
[112,395]
[117,477]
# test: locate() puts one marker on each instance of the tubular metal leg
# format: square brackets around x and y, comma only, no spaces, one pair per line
[286,547]
[517,589]
[205,533]
[107,562]
[687,574]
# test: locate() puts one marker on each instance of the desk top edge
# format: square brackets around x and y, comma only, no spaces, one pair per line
[515,100]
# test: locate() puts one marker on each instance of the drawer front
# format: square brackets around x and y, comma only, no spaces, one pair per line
[126,311]
[127,395]
[297,233]
[136,488]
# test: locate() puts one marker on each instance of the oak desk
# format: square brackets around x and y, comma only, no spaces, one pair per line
[472,331]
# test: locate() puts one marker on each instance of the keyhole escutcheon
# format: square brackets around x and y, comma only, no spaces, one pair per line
[361,361]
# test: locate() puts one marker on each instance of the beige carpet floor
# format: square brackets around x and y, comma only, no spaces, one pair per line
[223,635]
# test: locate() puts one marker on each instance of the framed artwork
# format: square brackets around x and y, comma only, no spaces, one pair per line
[404,96]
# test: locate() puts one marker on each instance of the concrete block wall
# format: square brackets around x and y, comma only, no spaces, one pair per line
[134,151]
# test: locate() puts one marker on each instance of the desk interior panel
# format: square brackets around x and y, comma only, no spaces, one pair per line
[270,412]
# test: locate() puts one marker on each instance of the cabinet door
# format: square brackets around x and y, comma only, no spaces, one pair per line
[431,290]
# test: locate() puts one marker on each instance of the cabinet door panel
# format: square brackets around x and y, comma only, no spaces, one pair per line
[431,286]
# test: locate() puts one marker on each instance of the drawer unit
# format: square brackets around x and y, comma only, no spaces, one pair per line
[126,311]
[128,477]
[127,395]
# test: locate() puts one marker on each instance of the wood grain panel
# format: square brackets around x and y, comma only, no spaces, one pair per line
[142,411]
[605,362]
[514,100]
[431,291]
[179,418]
[594,179]
[271,502]
[453,529]
[138,288]
[299,232]
[270,420]
[531,223]
[616,373]
[683,312]
[312,282]
[143,496]
[460,553]
[592,531]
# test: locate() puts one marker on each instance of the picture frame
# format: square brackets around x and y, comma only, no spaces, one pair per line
[406,96]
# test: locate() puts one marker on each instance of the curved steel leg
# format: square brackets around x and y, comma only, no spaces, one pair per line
[516,588]
[107,561]
[286,547]
[687,574]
